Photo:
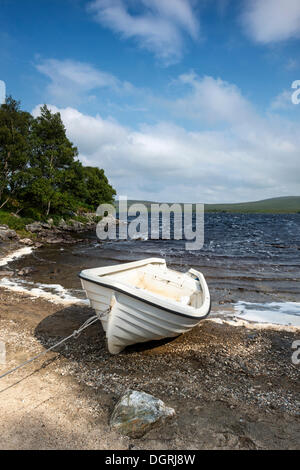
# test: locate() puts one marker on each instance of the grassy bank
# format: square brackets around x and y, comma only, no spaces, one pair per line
[16,223]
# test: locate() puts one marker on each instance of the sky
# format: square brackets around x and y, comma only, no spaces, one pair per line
[178,100]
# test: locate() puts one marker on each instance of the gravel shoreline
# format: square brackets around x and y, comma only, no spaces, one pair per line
[233,387]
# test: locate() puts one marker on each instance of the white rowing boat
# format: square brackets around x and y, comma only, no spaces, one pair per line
[145,300]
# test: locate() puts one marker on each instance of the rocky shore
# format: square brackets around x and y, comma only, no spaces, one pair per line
[232,387]
[49,233]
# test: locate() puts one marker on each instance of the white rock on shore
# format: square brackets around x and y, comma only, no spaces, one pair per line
[26,241]
[6,233]
[138,412]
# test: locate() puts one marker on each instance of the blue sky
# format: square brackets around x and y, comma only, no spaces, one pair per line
[176,99]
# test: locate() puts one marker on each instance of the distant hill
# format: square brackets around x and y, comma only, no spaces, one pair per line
[277,205]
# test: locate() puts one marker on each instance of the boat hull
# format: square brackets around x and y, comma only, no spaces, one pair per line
[128,319]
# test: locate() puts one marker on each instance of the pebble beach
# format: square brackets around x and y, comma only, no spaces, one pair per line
[232,383]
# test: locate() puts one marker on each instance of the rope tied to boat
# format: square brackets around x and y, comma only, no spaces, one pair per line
[76,333]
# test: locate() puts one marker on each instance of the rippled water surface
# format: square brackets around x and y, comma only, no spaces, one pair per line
[246,257]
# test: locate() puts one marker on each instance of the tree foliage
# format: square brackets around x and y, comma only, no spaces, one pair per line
[15,127]
[39,167]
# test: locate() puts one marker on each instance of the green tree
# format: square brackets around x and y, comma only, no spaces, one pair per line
[98,188]
[88,185]
[52,155]
[39,168]
[74,184]
[15,127]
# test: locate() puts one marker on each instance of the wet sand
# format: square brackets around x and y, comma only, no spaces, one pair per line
[233,387]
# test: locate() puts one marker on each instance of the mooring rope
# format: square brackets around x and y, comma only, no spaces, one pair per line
[75,334]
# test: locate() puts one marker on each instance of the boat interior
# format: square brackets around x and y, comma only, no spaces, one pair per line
[163,282]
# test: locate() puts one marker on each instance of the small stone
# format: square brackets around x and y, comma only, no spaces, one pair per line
[252,336]
[6,273]
[138,412]
[34,227]
[76,226]
[26,241]
[38,245]
[7,234]
[26,271]
[62,225]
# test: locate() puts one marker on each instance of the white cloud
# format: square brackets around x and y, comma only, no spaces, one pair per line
[244,161]
[212,101]
[159,27]
[292,64]
[282,101]
[268,21]
[73,81]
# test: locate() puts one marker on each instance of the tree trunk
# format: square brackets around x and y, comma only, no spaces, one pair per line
[19,210]
[48,208]
[5,202]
